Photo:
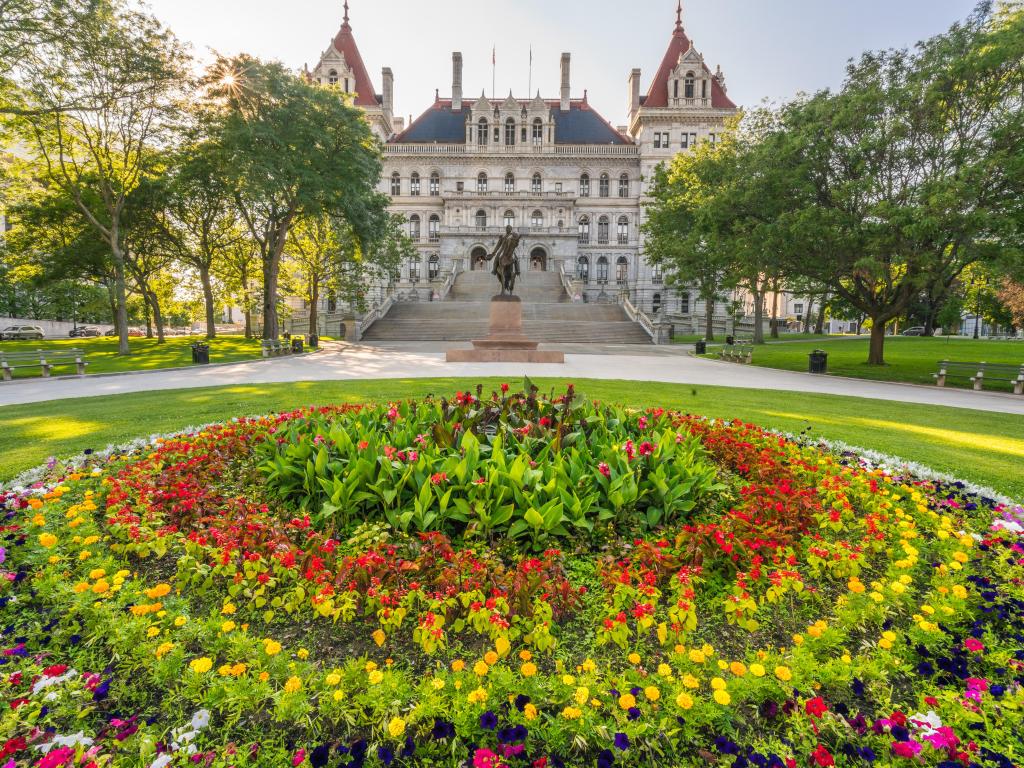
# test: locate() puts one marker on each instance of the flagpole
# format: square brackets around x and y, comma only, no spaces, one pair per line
[494,70]
[529,88]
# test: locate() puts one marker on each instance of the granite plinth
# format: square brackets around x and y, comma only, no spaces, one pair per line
[505,343]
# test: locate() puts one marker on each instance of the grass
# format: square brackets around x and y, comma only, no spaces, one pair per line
[987,448]
[911,360]
[783,337]
[146,354]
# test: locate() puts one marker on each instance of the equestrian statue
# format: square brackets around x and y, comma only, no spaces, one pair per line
[506,265]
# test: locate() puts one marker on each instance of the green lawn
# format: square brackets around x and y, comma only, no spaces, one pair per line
[146,354]
[987,448]
[783,337]
[908,359]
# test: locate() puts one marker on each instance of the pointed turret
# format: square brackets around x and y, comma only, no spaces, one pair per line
[345,44]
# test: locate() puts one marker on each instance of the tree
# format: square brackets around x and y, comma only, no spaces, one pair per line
[290,150]
[103,96]
[1012,296]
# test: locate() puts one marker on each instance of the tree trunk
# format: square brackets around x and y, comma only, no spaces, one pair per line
[204,277]
[807,315]
[246,300]
[709,319]
[758,315]
[819,326]
[314,295]
[775,312]
[271,270]
[147,307]
[158,318]
[121,317]
[876,351]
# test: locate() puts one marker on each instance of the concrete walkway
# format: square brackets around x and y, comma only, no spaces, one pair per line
[410,361]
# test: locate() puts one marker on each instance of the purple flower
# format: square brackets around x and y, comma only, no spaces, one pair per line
[606,759]
[488,721]
[385,754]
[320,755]
[3,554]
[621,742]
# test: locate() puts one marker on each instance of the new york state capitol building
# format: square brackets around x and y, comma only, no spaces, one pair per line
[566,179]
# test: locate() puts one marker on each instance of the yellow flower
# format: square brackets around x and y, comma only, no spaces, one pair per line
[80,587]
[378,637]
[370,666]
[581,695]
[201,666]
[530,712]
[697,656]
[571,713]
[227,626]
[264,676]
[652,693]
[271,647]
[491,658]
[738,668]
[375,677]
[684,701]
[798,639]
[152,631]
[97,573]
[238,669]
[47,540]
[396,727]
[479,696]
[665,670]
[163,649]
[302,653]
[856,585]
[691,682]
[224,670]
[480,668]
[333,679]
[529,669]
[100,587]
[438,683]
[292,684]
[959,591]
[718,683]
[568,680]
[458,665]
[722,697]
[228,609]
[339,695]
[525,654]
[634,658]
[627,701]
[783,674]
[589,665]
[160,590]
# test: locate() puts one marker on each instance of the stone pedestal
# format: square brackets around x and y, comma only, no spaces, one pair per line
[505,343]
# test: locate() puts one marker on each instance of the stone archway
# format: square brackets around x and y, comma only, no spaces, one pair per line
[478,258]
[538,260]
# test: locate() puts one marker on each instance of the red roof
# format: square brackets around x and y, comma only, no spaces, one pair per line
[657,96]
[345,44]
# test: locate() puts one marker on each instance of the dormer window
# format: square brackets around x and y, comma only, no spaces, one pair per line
[690,81]
[481,131]
[538,131]
[510,132]
[332,77]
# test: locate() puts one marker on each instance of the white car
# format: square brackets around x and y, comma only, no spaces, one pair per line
[33,332]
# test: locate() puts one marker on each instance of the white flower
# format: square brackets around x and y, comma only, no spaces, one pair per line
[46,682]
[74,740]
[928,724]
[201,719]
[161,762]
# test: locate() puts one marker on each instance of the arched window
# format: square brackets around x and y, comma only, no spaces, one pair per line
[621,270]
[623,230]
[624,185]
[602,270]
[536,184]
[510,183]
[538,131]
[537,220]
[396,184]
[675,89]
[509,219]
[583,269]
[656,275]
[433,267]
[414,227]
[481,219]
[602,230]
[510,132]
[414,184]
[688,90]
[584,237]
[684,304]
[604,185]
[481,131]
[332,77]
[346,85]
[435,184]
[481,183]
[414,269]
[584,185]
[434,229]
[657,303]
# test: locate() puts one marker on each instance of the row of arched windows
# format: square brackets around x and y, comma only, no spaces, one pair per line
[433,228]
[604,185]
[601,270]
[415,266]
[604,230]
[415,185]
[483,132]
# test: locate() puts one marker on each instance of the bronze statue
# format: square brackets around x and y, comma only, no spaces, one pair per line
[506,265]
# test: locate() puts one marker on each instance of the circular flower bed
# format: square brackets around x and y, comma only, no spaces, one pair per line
[505,580]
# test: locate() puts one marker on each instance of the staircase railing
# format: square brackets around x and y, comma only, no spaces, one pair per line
[571,285]
[376,313]
[638,316]
[449,282]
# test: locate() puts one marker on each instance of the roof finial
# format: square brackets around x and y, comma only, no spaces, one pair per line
[346,11]
[679,15]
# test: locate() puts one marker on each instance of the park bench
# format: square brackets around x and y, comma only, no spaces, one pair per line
[738,352]
[979,373]
[44,359]
[274,348]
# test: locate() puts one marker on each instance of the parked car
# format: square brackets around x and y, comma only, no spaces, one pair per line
[917,330]
[84,331]
[23,332]
[132,332]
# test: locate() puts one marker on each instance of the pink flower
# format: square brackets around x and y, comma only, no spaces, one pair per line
[974,645]
[299,757]
[604,470]
[906,749]
[484,758]
[942,738]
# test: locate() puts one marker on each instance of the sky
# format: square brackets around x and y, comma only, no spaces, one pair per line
[768,49]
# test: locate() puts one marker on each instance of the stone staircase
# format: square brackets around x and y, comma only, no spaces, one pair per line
[548,315]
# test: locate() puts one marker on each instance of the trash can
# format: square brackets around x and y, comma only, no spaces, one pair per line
[730,340]
[195,352]
[702,347]
[297,345]
[201,354]
[314,341]
[817,361]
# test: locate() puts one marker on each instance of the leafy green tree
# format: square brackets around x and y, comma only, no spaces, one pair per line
[290,150]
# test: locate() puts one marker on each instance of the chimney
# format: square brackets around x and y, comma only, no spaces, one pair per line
[389,91]
[399,124]
[634,92]
[565,82]
[456,82]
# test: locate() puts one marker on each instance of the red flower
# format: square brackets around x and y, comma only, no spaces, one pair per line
[604,470]
[438,477]
[816,707]
[504,388]
[822,756]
